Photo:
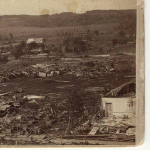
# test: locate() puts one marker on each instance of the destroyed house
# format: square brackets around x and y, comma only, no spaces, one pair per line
[44,70]
[120,102]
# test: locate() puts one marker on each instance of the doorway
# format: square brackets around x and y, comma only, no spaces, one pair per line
[109,112]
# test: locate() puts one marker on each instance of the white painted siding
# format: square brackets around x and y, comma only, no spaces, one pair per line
[36,40]
[120,106]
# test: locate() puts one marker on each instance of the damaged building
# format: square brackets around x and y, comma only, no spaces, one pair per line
[120,102]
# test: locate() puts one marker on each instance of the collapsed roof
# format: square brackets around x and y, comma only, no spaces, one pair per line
[125,90]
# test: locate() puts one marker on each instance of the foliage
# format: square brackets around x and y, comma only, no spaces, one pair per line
[122,34]
[11,38]
[122,40]
[3,58]
[75,101]
[88,64]
[43,46]
[11,35]
[32,45]
[88,35]
[78,100]
[23,44]
[96,32]
[25,63]
[75,44]
[114,42]
[17,52]
[100,49]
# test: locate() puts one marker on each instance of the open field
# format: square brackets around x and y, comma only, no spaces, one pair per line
[23,33]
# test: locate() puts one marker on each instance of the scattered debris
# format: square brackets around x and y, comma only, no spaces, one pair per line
[94,130]
[30,97]
[130,132]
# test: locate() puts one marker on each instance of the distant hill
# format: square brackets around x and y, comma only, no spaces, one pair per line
[69,19]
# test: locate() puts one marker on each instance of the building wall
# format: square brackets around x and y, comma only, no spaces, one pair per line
[120,106]
[36,40]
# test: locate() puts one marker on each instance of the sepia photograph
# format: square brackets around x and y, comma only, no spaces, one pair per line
[68,72]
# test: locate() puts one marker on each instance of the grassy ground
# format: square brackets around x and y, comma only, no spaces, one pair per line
[28,32]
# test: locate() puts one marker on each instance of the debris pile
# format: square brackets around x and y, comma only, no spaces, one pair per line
[43,70]
[25,115]
[108,129]
[6,76]
[88,69]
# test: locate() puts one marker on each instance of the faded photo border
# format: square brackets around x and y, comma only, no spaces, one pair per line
[140,74]
[140,78]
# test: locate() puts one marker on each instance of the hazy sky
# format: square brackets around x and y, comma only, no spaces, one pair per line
[35,7]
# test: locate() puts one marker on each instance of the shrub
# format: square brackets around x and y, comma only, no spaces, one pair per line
[89,35]
[75,44]
[32,45]
[100,49]
[25,63]
[114,41]
[23,44]
[90,64]
[43,46]
[96,32]
[122,34]
[4,58]
[17,52]
[122,40]
[86,55]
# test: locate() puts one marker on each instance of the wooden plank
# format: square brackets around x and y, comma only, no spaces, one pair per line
[94,130]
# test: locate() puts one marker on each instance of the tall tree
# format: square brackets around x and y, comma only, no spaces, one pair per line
[11,38]
[78,100]
[74,105]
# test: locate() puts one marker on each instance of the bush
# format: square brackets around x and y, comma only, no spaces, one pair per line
[32,45]
[25,63]
[42,46]
[101,49]
[90,64]
[122,34]
[88,35]
[17,52]
[114,41]
[122,40]
[96,32]
[23,44]
[75,44]
[86,56]
[4,58]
